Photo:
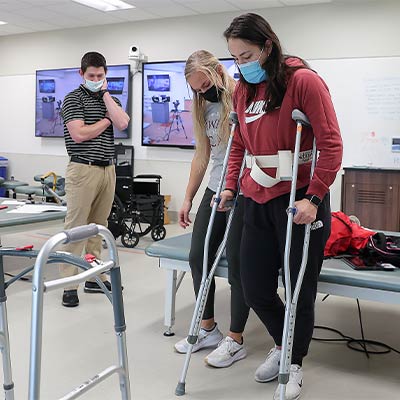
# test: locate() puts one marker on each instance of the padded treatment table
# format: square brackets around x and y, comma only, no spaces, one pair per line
[17,222]
[336,278]
[38,190]
[11,185]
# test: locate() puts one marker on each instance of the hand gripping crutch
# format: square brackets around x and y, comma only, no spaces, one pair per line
[291,301]
[207,276]
[39,287]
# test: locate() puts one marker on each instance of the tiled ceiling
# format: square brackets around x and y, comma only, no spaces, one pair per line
[24,16]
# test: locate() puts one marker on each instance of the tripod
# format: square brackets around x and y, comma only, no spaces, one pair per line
[57,119]
[176,117]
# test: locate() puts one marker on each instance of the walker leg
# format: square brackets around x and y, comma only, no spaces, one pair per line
[8,384]
[120,330]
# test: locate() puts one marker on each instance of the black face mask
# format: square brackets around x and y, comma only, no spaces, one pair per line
[213,94]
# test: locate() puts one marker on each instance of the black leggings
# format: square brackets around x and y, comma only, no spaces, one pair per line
[261,257]
[239,309]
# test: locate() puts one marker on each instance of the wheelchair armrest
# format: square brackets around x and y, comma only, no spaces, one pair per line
[145,176]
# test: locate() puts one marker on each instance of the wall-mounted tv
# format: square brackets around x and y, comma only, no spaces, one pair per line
[47,85]
[53,85]
[167,104]
[116,85]
[158,83]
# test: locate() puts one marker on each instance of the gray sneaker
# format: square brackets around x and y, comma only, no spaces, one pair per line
[205,339]
[269,369]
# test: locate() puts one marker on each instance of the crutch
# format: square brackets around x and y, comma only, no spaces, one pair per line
[291,301]
[207,276]
[39,287]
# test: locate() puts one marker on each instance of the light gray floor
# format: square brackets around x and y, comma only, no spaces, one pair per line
[80,342]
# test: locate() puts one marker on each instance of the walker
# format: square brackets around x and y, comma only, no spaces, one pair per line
[39,287]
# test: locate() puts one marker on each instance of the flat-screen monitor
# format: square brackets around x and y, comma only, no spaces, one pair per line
[53,85]
[167,104]
[47,85]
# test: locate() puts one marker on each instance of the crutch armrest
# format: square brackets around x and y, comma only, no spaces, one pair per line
[148,176]
[299,116]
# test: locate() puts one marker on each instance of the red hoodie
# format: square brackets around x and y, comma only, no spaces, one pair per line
[265,133]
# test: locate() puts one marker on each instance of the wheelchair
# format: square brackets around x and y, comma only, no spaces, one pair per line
[137,210]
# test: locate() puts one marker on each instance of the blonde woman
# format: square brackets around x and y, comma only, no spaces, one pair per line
[212,102]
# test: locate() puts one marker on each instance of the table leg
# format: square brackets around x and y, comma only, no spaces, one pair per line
[170,295]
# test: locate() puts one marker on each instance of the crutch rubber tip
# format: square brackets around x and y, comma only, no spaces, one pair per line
[169,333]
[283,378]
[180,389]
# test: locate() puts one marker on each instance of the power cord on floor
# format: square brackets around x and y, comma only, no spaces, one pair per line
[21,279]
[360,345]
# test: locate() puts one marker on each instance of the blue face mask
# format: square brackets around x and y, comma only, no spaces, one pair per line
[94,86]
[253,72]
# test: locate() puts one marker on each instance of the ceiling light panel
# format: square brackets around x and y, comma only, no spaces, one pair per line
[105,5]
[303,2]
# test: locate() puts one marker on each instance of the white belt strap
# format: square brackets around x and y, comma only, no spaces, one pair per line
[283,162]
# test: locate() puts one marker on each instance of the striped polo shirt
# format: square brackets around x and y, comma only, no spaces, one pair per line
[82,104]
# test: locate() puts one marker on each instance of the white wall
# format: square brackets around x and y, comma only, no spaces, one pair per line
[312,32]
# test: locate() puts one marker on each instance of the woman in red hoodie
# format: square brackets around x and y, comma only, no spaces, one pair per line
[272,85]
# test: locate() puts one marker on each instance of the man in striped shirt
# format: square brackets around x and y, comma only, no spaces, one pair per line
[89,113]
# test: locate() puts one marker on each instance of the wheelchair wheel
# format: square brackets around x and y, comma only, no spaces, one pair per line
[158,233]
[130,239]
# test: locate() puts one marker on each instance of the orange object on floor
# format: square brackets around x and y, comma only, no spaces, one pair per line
[167,200]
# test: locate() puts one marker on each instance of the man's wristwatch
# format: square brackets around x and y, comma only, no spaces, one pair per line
[101,92]
[313,199]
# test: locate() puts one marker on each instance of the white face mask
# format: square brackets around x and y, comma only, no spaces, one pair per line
[94,86]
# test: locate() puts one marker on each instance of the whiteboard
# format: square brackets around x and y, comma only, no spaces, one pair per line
[366,96]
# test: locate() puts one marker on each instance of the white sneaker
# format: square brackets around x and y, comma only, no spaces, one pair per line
[227,352]
[269,369]
[205,339]
[293,387]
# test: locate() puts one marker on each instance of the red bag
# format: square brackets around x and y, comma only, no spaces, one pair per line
[347,237]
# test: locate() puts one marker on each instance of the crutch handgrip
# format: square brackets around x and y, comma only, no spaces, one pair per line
[233,117]
[81,233]
[292,210]
[299,116]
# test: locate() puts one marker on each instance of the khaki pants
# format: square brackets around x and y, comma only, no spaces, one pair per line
[89,193]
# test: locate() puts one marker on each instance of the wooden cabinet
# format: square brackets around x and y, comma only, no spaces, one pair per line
[373,196]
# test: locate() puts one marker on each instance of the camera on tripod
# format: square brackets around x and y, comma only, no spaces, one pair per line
[161,99]
[176,104]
